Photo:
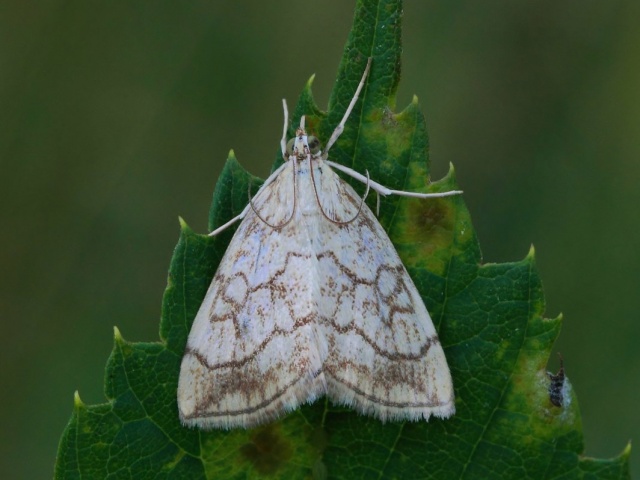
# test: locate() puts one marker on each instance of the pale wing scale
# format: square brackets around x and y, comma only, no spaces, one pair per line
[315,307]
[385,358]
[254,351]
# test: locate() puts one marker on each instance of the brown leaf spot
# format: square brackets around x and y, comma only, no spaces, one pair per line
[427,216]
[268,450]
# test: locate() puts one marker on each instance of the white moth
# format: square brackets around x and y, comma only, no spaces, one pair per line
[311,299]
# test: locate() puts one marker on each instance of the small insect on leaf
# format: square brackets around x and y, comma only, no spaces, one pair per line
[556,385]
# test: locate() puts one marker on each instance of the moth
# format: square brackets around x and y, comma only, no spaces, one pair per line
[312,299]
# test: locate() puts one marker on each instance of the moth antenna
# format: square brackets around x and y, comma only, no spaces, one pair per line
[283,141]
[325,215]
[338,131]
[293,211]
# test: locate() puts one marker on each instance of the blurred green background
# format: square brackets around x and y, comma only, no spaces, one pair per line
[116,117]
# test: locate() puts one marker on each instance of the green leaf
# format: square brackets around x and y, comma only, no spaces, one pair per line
[490,320]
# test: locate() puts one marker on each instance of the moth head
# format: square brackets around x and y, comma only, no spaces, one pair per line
[302,145]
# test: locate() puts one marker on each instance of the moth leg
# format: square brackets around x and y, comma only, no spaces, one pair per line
[267,182]
[382,190]
[222,228]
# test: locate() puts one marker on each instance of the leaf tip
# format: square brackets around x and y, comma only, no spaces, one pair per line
[232,160]
[450,177]
[77,401]
[184,227]
[554,322]
[531,255]
[117,336]
[626,453]
[414,100]
[310,82]
[452,171]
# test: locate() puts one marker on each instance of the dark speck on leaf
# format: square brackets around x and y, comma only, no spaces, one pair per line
[556,385]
